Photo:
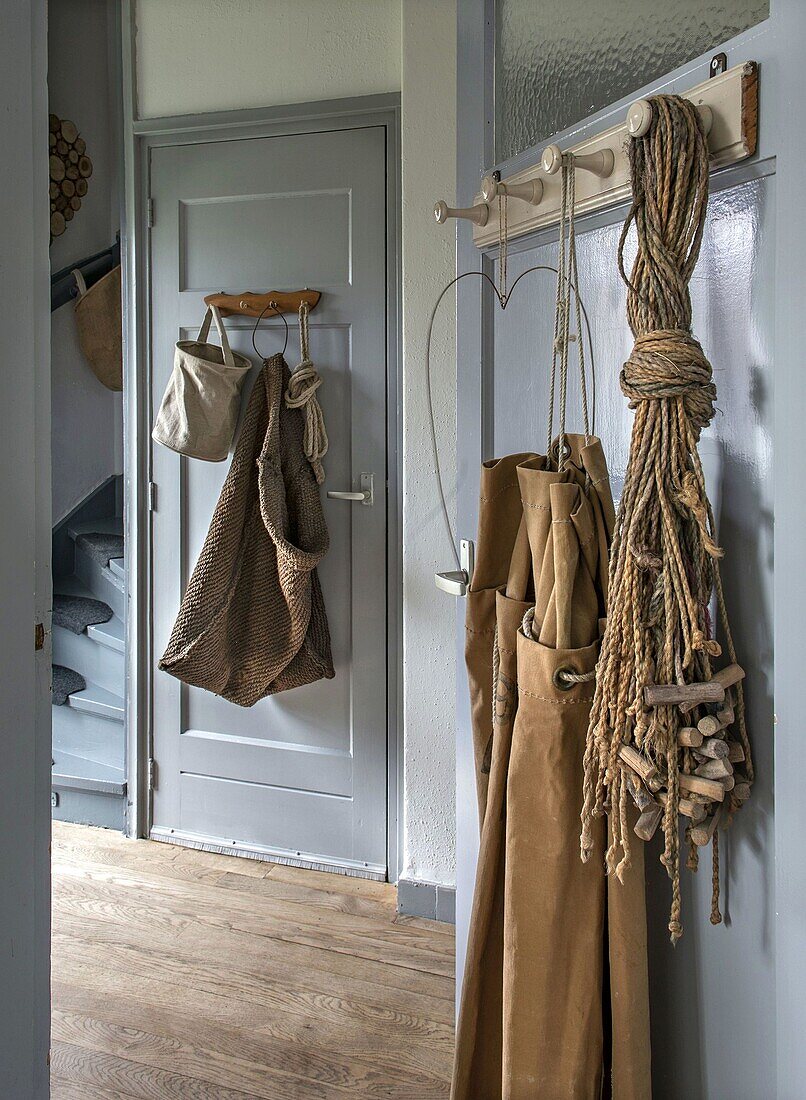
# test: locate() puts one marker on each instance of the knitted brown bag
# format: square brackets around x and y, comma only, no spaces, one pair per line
[252,621]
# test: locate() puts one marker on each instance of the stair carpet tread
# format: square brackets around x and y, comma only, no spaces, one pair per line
[110,633]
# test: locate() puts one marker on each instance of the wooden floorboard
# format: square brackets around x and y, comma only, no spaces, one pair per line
[184,974]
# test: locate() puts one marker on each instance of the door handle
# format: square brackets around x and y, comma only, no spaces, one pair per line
[366,496]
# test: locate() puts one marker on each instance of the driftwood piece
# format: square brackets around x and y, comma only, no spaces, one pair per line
[729,676]
[57,169]
[639,792]
[694,810]
[714,748]
[84,166]
[641,766]
[689,737]
[726,714]
[707,787]
[715,769]
[741,790]
[684,695]
[647,824]
[711,726]
[735,752]
[701,834]
[69,130]
[57,224]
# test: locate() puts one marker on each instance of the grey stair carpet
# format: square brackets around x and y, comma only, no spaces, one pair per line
[100,546]
[76,613]
[65,682]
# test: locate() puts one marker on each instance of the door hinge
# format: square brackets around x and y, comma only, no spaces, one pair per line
[150,212]
[152,496]
[152,773]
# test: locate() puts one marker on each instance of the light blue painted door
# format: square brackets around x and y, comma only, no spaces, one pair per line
[300,775]
[727,1003]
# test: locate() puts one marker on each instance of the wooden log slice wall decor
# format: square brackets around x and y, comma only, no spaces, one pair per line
[70,169]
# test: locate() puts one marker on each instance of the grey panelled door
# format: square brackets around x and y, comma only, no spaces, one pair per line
[302,774]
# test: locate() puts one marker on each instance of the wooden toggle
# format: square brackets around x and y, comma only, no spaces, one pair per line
[741,790]
[249,304]
[689,737]
[640,795]
[711,726]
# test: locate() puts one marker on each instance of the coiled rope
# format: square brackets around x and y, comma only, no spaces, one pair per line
[301,394]
[664,560]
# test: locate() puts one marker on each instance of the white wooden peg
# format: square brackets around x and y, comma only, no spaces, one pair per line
[639,118]
[478,214]
[531,191]
[600,164]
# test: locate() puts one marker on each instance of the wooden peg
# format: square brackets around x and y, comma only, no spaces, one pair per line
[725,714]
[641,766]
[249,304]
[735,752]
[689,737]
[701,834]
[708,787]
[715,769]
[686,696]
[647,824]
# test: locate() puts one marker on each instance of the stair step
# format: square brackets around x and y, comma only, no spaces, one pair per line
[118,566]
[111,634]
[110,525]
[98,664]
[97,700]
[76,773]
[102,583]
[90,736]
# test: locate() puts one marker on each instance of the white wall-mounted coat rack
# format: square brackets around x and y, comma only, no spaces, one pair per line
[728,106]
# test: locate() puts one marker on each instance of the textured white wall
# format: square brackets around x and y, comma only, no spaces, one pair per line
[216,55]
[205,55]
[429,173]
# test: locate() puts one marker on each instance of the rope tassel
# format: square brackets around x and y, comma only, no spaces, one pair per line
[664,563]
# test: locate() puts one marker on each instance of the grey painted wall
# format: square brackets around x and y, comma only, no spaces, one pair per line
[24,557]
[733,293]
[87,418]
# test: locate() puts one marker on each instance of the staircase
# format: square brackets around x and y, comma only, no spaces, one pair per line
[89,743]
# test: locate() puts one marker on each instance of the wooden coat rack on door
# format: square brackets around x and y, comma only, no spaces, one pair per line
[249,304]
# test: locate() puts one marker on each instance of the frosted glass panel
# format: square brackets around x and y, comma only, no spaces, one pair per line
[557,63]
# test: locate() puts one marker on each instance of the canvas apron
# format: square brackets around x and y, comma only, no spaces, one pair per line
[555,998]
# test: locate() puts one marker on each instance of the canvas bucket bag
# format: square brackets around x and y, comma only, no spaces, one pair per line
[555,995]
[199,411]
[98,314]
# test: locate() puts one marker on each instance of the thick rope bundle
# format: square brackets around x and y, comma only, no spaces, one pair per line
[301,394]
[664,560]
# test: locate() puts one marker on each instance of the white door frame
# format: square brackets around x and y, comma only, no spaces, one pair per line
[141,137]
[776,44]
